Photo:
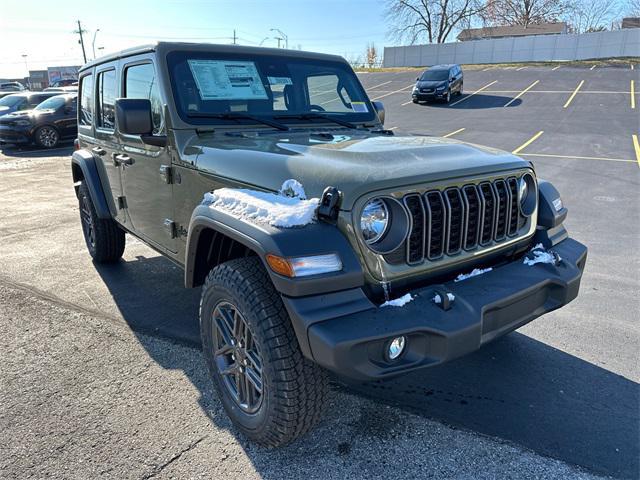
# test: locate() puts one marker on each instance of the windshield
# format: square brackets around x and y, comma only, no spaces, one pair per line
[10,100]
[52,103]
[265,86]
[435,75]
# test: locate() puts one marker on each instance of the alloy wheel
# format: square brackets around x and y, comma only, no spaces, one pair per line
[87,222]
[237,357]
[48,137]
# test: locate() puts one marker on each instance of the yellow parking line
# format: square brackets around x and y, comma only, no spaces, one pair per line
[452,133]
[391,93]
[636,147]
[574,94]
[392,128]
[633,94]
[528,142]
[577,157]
[521,93]
[555,68]
[473,93]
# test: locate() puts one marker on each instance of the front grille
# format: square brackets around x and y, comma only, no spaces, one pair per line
[449,221]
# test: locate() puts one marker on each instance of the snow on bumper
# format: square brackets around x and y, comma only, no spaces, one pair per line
[486,307]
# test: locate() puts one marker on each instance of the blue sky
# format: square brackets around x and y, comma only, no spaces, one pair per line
[43,30]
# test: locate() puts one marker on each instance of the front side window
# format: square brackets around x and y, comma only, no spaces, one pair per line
[209,86]
[52,103]
[140,81]
[106,99]
[86,100]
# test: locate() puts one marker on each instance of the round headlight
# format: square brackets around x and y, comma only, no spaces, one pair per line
[527,194]
[374,220]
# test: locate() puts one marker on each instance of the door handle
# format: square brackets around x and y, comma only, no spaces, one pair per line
[123,159]
[99,151]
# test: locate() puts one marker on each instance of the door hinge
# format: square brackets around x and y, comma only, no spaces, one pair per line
[170,226]
[122,203]
[166,173]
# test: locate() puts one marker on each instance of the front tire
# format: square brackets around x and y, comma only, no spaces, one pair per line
[269,390]
[104,238]
[47,137]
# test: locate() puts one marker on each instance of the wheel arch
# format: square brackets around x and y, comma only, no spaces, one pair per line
[84,169]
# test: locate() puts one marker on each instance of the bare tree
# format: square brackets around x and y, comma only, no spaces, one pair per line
[372,55]
[593,15]
[354,60]
[430,20]
[632,8]
[525,12]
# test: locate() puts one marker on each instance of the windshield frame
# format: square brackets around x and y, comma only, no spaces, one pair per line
[174,57]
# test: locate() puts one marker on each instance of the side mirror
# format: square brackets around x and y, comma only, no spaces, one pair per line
[133,117]
[379,110]
[417,79]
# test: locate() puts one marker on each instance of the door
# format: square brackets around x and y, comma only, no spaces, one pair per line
[67,123]
[146,186]
[93,136]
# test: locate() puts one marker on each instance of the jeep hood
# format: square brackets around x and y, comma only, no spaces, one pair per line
[355,163]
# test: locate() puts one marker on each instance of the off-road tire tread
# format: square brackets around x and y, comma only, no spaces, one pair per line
[300,387]
[110,238]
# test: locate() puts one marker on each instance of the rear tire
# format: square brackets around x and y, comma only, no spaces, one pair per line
[104,238]
[47,137]
[248,339]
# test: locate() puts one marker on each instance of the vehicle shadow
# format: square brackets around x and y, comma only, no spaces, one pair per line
[517,389]
[32,151]
[473,102]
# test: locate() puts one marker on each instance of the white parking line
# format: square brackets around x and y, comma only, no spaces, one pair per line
[376,86]
[521,93]
[391,93]
[592,67]
[521,68]
[473,93]
[392,128]
[555,68]
[453,133]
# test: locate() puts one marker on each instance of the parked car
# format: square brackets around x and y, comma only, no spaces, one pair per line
[67,82]
[51,121]
[23,101]
[67,89]
[438,82]
[321,240]
[11,87]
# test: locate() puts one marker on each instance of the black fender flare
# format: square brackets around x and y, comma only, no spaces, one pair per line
[548,215]
[86,163]
[313,239]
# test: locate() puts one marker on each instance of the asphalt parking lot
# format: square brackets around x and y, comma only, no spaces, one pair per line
[125,395]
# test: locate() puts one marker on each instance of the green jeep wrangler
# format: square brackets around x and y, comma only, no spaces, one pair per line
[321,240]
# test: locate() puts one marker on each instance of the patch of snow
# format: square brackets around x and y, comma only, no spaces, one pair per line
[475,272]
[438,299]
[293,188]
[539,254]
[264,207]
[398,302]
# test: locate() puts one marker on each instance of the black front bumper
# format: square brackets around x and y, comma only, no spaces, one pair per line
[485,307]
[14,134]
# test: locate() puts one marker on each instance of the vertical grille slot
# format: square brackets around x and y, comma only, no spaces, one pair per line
[489,219]
[473,216]
[515,211]
[416,239]
[503,208]
[436,224]
[455,220]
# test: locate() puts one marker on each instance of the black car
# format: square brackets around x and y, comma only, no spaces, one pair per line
[51,121]
[16,101]
[439,81]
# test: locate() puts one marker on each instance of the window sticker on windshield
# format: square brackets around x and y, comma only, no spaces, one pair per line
[359,107]
[279,81]
[227,80]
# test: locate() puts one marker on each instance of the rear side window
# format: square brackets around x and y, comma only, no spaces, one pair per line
[140,82]
[86,100]
[106,100]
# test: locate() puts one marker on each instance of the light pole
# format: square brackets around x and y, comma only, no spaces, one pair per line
[24,56]
[263,40]
[284,37]
[93,43]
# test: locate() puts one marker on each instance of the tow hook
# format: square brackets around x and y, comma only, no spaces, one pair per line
[330,205]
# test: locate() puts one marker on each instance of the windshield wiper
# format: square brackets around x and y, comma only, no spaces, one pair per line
[319,116]
[239,116]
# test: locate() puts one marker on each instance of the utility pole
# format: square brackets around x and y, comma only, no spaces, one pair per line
[80,31]
[234,36]
[279,39]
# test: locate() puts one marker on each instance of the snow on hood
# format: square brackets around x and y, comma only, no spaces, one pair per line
[275,209]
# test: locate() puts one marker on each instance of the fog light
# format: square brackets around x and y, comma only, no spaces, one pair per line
[396,347]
